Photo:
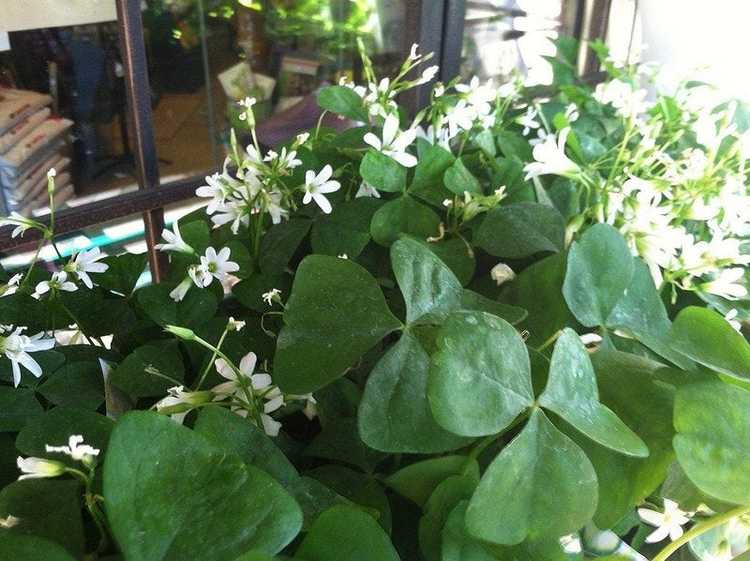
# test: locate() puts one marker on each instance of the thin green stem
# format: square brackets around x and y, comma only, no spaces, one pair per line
[213,358]
[33,263]
[701,528]
[549,341]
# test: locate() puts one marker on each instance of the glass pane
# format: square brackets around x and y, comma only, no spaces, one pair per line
[63,98]
[503,36]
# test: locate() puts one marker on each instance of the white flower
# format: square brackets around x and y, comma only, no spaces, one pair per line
[627,101]
[460,117]
[438,90]
[37,468]
[9,521]
[589,339]
[76,449]
[428,75]
[218,265]
[669,523]
[21,224]
[178,402]
[413,52]
[366,190]
[84,263]
[271,295]
[302,138]
[247,114]
[317,185]
[395,142]
[528,120]
[181,289]
[234,213]
[11,286]
[260,384]
[235,325]
[174,241]
[273,206]
[730,317]
[284,160]
[219,187]
[502,273]
[59,281]
[726,285]
[343,256]
[550,158]
[16,347]
[479,96]
[52,172]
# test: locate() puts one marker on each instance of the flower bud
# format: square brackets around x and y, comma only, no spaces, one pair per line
[36,468]
[181,332]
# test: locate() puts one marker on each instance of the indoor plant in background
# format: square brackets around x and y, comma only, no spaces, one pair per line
[443,340]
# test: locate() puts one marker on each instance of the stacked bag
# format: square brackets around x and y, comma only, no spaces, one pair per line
[31,142]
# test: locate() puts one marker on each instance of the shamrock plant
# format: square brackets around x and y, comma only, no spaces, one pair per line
[508,327]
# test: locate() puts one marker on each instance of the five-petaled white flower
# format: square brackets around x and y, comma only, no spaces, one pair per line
[174,241]
[667,523]
[727,284]
[271,295]
[16,347]
[37,468]
[76,449]
[395,142]
[550,158]
[216,265]
[260,384]
[316,185]
[59,281]
[84,263]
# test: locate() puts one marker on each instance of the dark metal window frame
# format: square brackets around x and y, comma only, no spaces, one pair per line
[437,26]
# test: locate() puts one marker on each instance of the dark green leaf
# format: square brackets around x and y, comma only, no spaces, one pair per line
[45,508]
[123,273]
[521,229]
[418,480]
[139,374]
[428,175]
[457,544]
[343,101]
[30,548]
[77,384]
[712,420]
[459,180]
[571,392]
[383,172]
[341,442]
[18,406]
[280,243]
[394,415]
[627,385]
[346,230]
[241,437]
[429,287]
[480,378]
[707,338]
[344,533]
[335,313]
[212,507]
[474,301]
[540,485]
[600,269]
[403,215]
[442,501]
[537,289]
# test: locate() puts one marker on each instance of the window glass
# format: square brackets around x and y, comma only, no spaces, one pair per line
[63,97]
[505,36]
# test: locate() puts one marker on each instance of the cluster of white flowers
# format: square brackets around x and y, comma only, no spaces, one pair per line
[246,391]
[15,346]
[685,212]
[213,264]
